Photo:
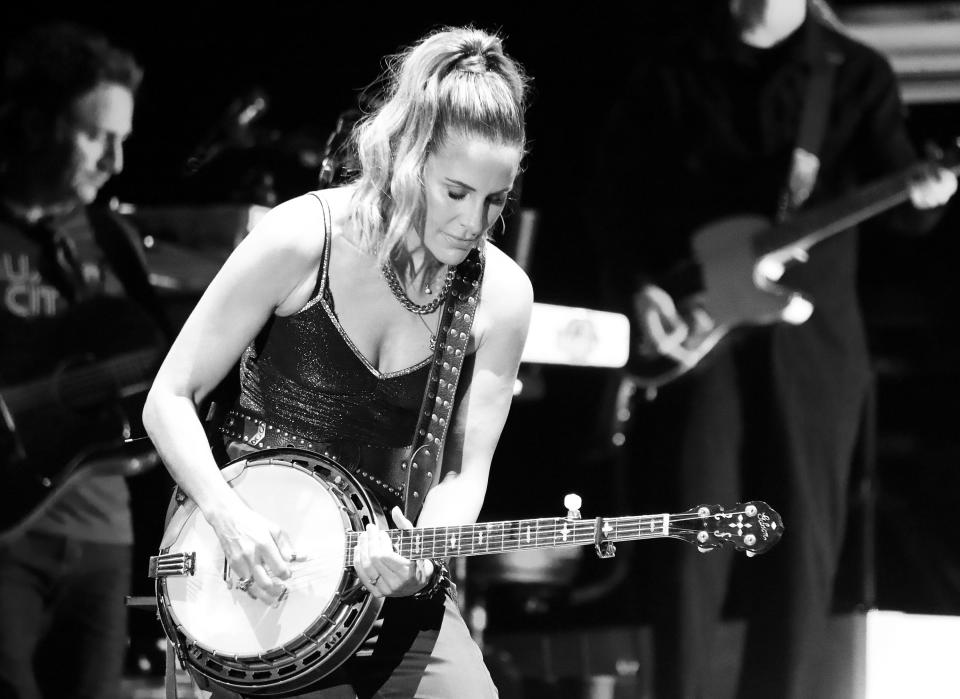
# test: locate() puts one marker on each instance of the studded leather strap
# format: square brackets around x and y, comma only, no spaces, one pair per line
[452,338]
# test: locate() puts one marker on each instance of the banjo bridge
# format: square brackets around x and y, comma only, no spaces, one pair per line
[171,564]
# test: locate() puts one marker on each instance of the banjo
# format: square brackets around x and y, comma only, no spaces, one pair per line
[240,643]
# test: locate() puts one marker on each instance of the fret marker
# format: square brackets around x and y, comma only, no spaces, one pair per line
[528,534]
[453,541]
[416,544]
[666,523]
[564,532]
[606,529]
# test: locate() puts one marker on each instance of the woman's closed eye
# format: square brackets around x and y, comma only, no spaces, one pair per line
[497,200]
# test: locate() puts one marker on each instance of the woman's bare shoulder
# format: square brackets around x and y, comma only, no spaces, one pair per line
[339,201]
[504,277]
[507,294]
[295,225]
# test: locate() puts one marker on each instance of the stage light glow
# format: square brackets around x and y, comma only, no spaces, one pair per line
[912,655]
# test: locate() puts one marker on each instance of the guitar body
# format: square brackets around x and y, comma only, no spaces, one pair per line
[737,291]
[58,418]
[236,641]
[741,258]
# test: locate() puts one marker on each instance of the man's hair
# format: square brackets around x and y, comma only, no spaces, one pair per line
[49,67]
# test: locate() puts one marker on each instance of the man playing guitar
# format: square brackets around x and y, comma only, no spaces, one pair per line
[66,273]
[703,131]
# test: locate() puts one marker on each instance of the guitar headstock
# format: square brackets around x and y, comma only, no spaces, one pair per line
[753,527]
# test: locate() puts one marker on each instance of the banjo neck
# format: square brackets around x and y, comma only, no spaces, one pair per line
[740,522]
[518,534]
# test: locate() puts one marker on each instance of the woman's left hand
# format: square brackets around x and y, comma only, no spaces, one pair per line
[382,570]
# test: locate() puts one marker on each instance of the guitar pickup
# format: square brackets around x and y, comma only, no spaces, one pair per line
[170,564]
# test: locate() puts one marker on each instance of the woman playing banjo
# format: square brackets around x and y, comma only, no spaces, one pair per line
[333,304]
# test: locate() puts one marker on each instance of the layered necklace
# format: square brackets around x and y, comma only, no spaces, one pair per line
[389,273]
[393,281]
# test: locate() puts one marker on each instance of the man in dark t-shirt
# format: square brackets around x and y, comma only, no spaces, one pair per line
[66,270]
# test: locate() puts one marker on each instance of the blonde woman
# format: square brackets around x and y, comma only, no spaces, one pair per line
[333,301]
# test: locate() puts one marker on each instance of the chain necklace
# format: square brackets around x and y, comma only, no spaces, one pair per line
[433,335]
[393,281]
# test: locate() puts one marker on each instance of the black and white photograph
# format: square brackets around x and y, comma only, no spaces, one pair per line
[448,351]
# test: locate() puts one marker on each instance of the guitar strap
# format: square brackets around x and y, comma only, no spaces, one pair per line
[805,162]
[58,263]
[126,259]
[453,335]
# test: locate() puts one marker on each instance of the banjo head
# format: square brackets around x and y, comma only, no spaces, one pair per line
[238,641]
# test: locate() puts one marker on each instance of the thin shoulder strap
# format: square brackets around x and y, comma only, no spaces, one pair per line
[327,244]
[127,260]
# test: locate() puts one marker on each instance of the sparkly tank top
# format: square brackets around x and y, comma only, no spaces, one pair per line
[304,375]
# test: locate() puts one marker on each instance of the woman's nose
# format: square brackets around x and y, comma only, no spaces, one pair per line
[474,220]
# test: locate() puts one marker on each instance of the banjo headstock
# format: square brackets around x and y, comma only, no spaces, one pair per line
[753,527]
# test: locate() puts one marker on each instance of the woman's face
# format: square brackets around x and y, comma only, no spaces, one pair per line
[466,183]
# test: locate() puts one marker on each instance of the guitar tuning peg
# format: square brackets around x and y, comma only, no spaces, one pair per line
[572,502]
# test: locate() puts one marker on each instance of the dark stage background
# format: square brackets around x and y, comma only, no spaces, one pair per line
[311,59]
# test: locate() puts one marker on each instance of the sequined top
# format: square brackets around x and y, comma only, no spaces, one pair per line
[304,375]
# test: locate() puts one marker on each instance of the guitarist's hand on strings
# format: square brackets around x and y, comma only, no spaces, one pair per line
[932,187]
[382,570]
[662,329]
[257,553]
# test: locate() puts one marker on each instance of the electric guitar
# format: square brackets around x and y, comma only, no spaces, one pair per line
[64,422]
[741,258]
[325,613]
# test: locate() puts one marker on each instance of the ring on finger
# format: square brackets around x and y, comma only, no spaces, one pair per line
[245,584]
[374,581]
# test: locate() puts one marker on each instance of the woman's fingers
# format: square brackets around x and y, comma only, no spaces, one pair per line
[398,518]
[257,578]
[261,577]
[375,561]
[258,552]
[382,570]
[263,587]
[277,553]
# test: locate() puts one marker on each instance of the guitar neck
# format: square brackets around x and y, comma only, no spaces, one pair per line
[807,228]
[516,535]
[86,384]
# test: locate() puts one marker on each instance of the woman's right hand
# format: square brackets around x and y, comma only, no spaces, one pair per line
[257,551]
